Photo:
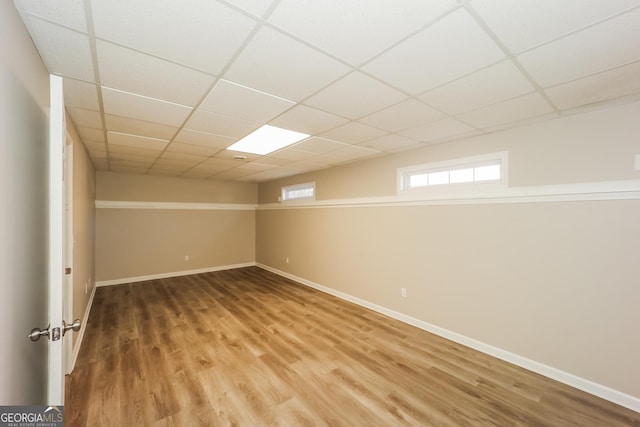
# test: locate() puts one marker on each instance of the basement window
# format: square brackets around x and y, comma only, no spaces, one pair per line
[487,170]
[299,191]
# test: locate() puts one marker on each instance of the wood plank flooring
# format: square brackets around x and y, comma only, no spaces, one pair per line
[246,347]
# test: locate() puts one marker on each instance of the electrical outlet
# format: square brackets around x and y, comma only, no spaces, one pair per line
[186,257]
[86,287]
[287,260]
[403,292]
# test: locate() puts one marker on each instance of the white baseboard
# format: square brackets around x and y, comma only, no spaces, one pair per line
[171,274]
[604,392]
[83,327]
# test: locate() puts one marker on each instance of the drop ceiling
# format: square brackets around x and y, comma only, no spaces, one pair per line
[163,87]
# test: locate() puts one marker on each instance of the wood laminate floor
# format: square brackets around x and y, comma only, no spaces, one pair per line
[246,347]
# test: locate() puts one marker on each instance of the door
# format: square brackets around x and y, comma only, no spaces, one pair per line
[23,240]
[34,252]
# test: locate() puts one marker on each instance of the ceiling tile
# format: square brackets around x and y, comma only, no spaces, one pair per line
[66,52]
[292,154]
[255,167]
[98,155]
[139,127]
[479,89]
[127,149]
[187,158]
[243,157]
[407,114]
[567,59]
[254,7]
[196,173]
[268,160]
[288,68]
[69,13]
[204,139]
[80,94]
[156,170]
[128,140]
[100,164]
[95,147]
[522,122]
[353,133]
[220,125]
[85,118]
[202,34]
[272,174]
[355,30]
[134,157]
[318,145]
[599,87]
[130,166]
[307,120]
[180,164]
[391,143]
[349,153]
[314,163]
[445,128]
[355,95]
[128,169]
[240,101]
[450,48]
[198,150]
[523,24]
[235,173]
[522,107]
[149,76]
[217,165]
[88,134]
[126,104]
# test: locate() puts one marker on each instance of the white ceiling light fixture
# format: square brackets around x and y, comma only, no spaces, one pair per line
[267,139]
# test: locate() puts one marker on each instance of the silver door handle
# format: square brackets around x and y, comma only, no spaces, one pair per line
[36,333]
[75,326]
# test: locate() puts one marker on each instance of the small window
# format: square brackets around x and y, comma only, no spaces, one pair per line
[485,169]
[299,191]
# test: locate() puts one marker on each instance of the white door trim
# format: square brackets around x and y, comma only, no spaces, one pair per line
[69,244]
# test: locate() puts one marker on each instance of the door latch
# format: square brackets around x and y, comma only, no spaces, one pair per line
[53,333]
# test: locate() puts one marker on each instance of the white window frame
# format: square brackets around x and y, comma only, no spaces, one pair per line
[501,158]
[289,188]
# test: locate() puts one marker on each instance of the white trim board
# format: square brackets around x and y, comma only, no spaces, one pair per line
[120,204]
[171,274]
[590,387]
[83,328]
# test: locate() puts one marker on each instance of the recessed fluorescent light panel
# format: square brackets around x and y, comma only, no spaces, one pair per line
[267,139]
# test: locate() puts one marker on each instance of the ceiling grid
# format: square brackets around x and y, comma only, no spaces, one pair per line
[164,87]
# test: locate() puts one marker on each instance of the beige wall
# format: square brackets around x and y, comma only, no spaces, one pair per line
[141,242]
[84,217]
[555,282]
[148,188]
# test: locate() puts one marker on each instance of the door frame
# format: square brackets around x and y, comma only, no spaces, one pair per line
[69,244]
